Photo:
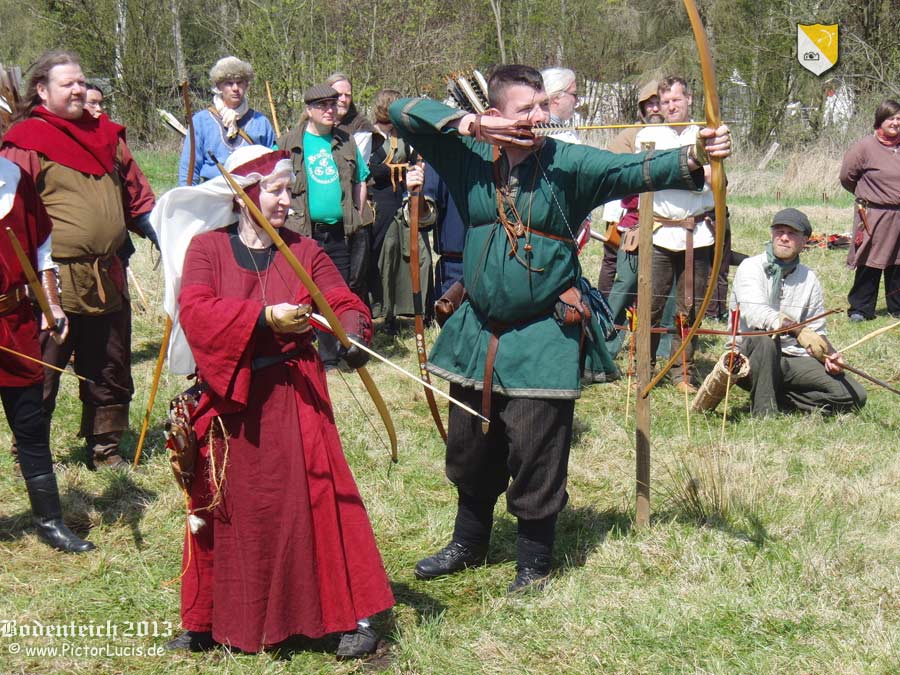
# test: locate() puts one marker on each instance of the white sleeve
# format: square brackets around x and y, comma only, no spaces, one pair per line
[364,143]
[750,290]
[613,211]
[44,261]
[816,305]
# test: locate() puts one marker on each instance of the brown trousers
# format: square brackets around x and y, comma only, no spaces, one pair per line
[668,267]
[102,349]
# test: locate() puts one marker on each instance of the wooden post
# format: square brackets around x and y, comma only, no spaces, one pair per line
[642,338]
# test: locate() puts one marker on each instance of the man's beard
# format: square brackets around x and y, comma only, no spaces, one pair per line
[654,118]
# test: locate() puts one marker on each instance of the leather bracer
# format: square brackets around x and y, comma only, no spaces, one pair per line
[50,283]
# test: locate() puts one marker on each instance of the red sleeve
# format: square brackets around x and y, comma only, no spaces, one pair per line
[139,197]
[351,311]
[219,330]
[34,207]
[27,160]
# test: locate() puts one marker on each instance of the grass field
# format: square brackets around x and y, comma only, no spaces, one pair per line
[787,561]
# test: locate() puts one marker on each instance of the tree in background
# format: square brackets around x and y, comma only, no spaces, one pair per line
[412,45]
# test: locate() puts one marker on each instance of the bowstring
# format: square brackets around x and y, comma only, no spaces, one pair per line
[366,415]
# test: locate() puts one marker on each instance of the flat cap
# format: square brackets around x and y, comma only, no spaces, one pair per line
[319,92]
[794,219]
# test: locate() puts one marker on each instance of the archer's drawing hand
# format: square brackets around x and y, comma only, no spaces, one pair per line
[288,318]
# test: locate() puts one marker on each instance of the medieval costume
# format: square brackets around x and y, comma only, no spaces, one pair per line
[394,261]
[79,170]
[683,226]
[871,171]
[387,187]
[449,232]
[520,255]
[285,547]
[21,380]
[222,128]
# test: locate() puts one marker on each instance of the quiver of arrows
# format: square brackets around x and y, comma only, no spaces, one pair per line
[468,91]
[717,382]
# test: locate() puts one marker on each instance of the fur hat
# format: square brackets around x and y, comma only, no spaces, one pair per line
[230,67]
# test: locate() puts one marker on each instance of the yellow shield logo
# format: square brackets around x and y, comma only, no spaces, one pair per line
[817,46]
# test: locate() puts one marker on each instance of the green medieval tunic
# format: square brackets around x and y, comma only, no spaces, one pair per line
[553,190]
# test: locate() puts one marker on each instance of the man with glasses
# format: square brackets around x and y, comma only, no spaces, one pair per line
[562,93]
[329,189]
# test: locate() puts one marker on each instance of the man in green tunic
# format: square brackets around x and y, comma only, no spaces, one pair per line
[522,199]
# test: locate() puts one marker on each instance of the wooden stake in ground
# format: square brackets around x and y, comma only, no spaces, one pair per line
[642,339]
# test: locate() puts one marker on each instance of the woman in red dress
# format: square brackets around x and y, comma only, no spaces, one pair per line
[286,547]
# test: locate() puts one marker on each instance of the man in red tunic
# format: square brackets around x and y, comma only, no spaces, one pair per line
[285,546]
[21,380]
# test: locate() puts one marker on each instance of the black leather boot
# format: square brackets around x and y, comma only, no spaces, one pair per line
[534,554]
[454,557]
[471,537]
[47,515]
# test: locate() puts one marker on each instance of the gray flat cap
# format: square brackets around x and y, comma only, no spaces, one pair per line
[319,92]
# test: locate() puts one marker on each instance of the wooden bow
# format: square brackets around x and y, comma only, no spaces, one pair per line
[167,331]
[714,120]
[415,202]
[317,297]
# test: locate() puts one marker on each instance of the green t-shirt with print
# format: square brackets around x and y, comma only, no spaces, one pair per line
[323,180]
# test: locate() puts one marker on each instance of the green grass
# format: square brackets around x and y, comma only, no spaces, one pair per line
[791,568]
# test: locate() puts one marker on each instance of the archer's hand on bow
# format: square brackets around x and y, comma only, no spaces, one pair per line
[353,356]
[711,143]
[288,318]
[415,177]
[58,336]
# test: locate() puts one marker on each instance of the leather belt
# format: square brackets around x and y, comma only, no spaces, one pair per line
[865,203]
[261,362]
[327,227]
[11,300]
[580,313]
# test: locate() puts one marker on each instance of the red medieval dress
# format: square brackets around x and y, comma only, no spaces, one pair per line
[21,210]
[288,549]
